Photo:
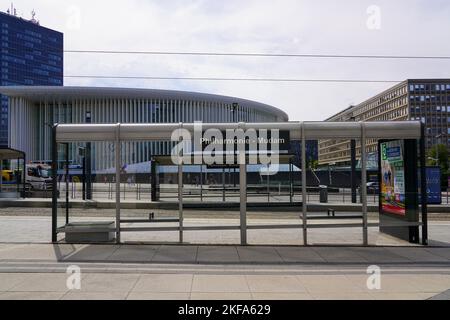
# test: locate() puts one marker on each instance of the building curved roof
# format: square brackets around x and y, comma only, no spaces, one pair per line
[40,93]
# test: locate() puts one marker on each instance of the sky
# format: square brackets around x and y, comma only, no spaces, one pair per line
[349,27]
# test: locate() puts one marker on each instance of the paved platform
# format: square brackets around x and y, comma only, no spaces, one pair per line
[218,255]
[32,268]
[38,271]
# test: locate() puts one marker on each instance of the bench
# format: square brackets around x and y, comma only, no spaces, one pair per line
[96,231]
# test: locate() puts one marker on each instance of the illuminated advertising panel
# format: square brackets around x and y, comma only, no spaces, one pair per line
[434,185]
[393,177]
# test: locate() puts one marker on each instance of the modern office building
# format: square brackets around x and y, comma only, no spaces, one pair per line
[427,100]
[30,55]
[34,109]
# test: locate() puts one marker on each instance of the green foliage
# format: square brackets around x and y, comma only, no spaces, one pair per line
[438,156]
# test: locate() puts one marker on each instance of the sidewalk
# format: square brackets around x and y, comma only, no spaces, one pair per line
[38,271]
[219,255]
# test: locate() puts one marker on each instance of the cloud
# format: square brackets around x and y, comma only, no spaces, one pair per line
[408,27]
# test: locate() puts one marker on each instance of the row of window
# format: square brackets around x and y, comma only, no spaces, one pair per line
[430,98]
[28,34]
[429,87]
[419,109]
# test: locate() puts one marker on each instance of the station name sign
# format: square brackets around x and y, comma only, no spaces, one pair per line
[214,146]
[253,141]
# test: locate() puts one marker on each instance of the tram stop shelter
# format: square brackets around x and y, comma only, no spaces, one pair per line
[12,182]
[409,223]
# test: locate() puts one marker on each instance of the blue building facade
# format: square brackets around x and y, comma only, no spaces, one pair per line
[30,55]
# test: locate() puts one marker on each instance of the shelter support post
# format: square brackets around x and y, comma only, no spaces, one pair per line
[201,182]
[118,167]
[180,198]
[304,194]
[1,174]
[243,197]
[17,178]
[363,186]
[353,170]
[66,151]
[24,175]
[423,187]
[54,184]
[290,181]
[223,184]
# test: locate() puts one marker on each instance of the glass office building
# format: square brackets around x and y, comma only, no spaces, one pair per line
[426,100]
[30,55]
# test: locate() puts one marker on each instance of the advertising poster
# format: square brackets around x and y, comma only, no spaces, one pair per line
[433,185]
[392,177]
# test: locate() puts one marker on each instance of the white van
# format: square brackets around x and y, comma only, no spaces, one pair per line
[38,176]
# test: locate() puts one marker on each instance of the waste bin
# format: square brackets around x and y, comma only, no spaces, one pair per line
[323,194]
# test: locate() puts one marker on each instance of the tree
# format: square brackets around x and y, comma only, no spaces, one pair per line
[438,156]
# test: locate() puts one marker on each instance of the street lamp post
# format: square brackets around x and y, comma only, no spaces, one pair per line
[438,139]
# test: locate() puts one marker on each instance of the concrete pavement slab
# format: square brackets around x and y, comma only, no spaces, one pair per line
[378,255]
[400,296]
[259,255]
[51,252]
[281,296]
[82,295]
[442,252]
[299,255]
[389,283]
[10,280]
[31,295]
[39,282]
[217,254]
[134,253]
[158,296]
[221,296]
[179,254]
[341,296]
[441,296]
[92,252]
[163,283]
[431,282]
[342,255]
[328,284]
[101,282]
[219,283]
[418,254]
[275,283]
